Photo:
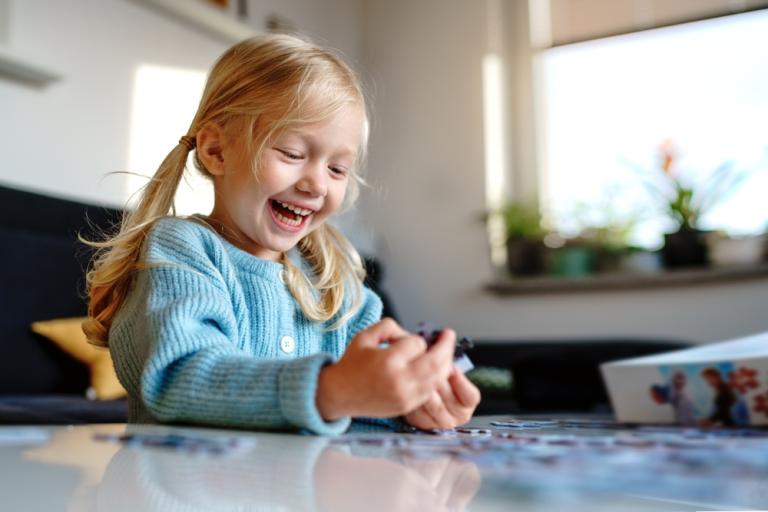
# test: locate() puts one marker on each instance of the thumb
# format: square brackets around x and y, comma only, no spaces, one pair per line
[380,332]
[445,344]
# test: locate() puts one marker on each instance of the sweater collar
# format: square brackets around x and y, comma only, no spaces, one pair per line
[244,260]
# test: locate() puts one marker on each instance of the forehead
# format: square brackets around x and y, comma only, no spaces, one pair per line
[344,131]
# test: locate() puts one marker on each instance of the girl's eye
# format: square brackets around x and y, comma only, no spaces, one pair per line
[290,154]
[338,171]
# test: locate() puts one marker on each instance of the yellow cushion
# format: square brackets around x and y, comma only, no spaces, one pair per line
[68,335]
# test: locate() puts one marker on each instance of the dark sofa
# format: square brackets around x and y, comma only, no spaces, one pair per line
[42,274]
[556,375]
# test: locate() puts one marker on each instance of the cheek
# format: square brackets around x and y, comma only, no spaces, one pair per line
[336,195]
[273,176]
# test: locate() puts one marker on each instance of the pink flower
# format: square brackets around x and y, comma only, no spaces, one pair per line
[668,154]
[761,403]
[744,379]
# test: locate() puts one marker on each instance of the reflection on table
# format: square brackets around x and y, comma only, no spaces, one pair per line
[114,468]
[283,472]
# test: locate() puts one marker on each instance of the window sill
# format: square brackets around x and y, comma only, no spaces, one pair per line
[619,281]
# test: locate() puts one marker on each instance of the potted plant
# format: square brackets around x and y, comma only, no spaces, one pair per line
[524,239]
[685,201]
[610,244]
[606,229]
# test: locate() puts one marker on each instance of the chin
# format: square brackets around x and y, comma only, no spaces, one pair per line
[283,245]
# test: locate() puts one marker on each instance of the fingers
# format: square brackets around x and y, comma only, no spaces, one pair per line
[437,362]
[449,399]
[408,347]
[459,397]
[411,346]
[464,390]
[448,336]
[440,410]
[459,412]
[436,409]
[384,330]
[420,419]
[432,367]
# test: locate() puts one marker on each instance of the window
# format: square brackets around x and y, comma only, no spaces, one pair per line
[610,103]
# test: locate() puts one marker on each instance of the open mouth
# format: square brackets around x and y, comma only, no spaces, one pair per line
[290,216]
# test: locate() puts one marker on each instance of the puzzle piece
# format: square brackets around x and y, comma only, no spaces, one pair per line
[460,358]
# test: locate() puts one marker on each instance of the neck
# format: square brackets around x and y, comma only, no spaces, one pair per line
[238,239]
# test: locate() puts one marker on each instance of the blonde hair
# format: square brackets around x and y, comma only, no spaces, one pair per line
[264,85]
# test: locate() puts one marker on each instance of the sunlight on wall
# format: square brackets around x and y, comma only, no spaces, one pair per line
[164,102]
[495,157]
[493,132]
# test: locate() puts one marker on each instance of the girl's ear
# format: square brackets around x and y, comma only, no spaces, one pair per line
[210,148]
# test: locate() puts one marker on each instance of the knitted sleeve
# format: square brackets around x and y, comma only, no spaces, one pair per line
[368,314]
[195,372]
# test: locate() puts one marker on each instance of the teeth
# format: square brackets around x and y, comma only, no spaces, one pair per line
[290,222]
[295,209]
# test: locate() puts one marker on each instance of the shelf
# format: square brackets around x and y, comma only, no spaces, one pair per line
[620,282]
[19,68]
[205,17]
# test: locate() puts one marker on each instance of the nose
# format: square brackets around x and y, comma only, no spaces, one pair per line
[314,180]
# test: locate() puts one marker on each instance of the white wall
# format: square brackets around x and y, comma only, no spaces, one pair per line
[334,23]
[427,157]
[64,139]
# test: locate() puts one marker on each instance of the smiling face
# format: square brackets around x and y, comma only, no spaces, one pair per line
[302,179]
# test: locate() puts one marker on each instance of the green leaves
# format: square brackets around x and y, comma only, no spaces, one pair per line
[522,221]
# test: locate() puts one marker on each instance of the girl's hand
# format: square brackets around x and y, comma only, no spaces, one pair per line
[451,405]
[371,380]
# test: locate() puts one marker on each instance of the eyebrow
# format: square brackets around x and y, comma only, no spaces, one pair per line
[347,151]
[342,151]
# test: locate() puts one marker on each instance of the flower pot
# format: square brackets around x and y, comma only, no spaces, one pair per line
[607,261]
[726,251]
[574,262]
[685,248]
[525,257]
[641,262]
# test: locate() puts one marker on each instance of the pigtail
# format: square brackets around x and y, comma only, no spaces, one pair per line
[109,278]
[336,269]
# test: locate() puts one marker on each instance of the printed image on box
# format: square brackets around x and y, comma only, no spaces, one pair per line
[704,395]
[720,384]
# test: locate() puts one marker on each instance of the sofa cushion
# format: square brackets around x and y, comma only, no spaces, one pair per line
[68,335]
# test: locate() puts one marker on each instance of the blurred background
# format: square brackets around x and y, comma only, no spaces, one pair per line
[600,124]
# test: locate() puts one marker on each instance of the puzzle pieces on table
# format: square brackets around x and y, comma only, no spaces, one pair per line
[180,442]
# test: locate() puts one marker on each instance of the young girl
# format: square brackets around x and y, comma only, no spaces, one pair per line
[255,315]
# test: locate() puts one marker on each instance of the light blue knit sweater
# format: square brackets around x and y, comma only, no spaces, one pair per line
[199,338]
